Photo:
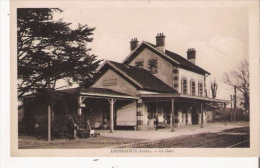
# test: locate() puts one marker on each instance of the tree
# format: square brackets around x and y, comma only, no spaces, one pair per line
[239,78]
[49,50]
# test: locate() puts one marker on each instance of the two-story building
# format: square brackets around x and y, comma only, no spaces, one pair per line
[150,82]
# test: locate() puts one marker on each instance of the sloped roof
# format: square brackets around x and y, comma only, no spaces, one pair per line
[101,90]
[140,78]
[185,64]
[104,92]
[168,55]
[70,90]
[92,90]
[47,94]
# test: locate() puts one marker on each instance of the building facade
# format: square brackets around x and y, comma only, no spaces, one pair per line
[151,82]
[161,83]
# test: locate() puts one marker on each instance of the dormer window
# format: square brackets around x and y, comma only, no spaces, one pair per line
[153,65]
[139,64]
[192,88]
[184,85]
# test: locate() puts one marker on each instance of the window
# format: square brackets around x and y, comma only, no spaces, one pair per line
[140,105]
[184,86]
[175,70]
[139,64]
[192,88]
[153,66]
[200,91]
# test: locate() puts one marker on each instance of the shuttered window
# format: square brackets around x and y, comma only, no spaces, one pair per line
[153,66]
[200,91]
[139,64]
[184,86]
[192,87]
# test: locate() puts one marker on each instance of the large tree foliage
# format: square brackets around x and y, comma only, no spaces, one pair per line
[49,50]
[239,78]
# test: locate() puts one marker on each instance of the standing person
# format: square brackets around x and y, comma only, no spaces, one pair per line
[156,122]
[168,119]
[88,123]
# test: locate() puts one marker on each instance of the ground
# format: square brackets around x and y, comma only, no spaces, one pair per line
[211,135]
[232,138]
[98,142]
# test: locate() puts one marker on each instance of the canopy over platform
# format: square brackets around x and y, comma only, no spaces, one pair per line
[100,93]
[180,97]
[105,93]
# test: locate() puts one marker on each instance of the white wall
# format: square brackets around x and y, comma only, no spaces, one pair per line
[122,85]
[126,116]
[191,76]
[164,67]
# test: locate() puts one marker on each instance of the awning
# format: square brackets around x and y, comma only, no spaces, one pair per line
[105,93]
[180,97]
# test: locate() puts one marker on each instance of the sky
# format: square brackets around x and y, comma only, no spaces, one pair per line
[219,34]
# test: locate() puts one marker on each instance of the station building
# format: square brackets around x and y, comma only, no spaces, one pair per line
[151,82]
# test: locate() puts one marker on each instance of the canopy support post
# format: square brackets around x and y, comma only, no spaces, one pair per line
[225,104]
[201,113]
[112,102]
[172,115]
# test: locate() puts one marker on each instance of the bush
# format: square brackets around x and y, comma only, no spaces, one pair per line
[85,133]
[62,127]
[83,129]
[26,125]
[41,130]
[80,120]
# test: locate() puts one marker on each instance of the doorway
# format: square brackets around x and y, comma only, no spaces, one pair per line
[195,116]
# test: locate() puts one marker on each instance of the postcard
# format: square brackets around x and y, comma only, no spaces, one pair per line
[134,78]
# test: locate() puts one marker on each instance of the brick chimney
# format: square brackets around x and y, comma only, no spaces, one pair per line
[191,55]
[133,44]
[160,42]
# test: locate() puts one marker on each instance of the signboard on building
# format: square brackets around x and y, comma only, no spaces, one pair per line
[109,82]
